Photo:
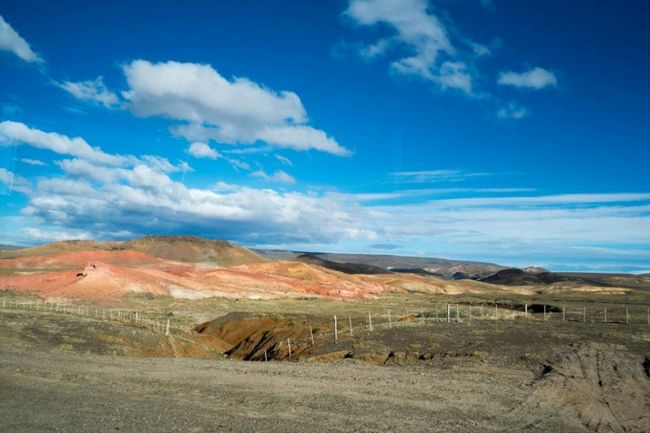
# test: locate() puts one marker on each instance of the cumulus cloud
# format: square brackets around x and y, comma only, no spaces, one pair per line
[279,176]
[421,33]
[147,201]
[536,79]
[91,90]
[11,41]
[103,198]
[202,150]
[237,111]
[14,182]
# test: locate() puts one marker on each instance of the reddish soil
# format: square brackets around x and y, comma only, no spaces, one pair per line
[104,274]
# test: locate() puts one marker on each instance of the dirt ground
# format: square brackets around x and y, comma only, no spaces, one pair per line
[61,373]
[64,392]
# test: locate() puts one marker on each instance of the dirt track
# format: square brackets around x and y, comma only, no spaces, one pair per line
[65,392]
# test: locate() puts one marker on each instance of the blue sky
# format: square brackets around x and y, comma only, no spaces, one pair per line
[507,131]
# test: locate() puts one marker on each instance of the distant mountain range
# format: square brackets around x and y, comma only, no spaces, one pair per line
[356,263]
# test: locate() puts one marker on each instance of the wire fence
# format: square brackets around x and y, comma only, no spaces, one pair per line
[144,320]
[350,326]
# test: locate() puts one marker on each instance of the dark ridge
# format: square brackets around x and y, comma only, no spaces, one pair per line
[418,271]
[518,277]
[348,268]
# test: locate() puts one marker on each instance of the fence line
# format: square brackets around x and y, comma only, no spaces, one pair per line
[131,317]
[456,313]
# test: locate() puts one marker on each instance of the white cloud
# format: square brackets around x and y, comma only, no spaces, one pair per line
[38,235]
[284,160]
[237,111]
[11,41]
[512,111]
[139,195]
[429,176]
[19,133]
[421,33]
[146,201]
[33,162]
[279,176]
[536,78]
[91,90]
[14,182]
[202,150]
[13,133]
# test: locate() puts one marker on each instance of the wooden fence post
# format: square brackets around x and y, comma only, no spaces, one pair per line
[167,328]
[544,311]
[350,321]
[370,321]
[563,313]
[627,315]
[336,331]
[311,335]
[289,344]
[448,313]
[526,311]
[605,314]
[265,357]
[496,310]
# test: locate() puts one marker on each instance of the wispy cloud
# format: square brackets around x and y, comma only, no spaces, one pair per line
[11,41]
[536,79]
[37,162]
[366,197]
[14,182]
[17,133]
[91,90]
[512,111]
[419,31]
[279,176]
[432,176]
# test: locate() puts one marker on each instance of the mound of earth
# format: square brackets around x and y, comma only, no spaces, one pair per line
[602,387]
[263,337]
[193,249]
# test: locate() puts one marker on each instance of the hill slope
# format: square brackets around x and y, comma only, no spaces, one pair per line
[191,249]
